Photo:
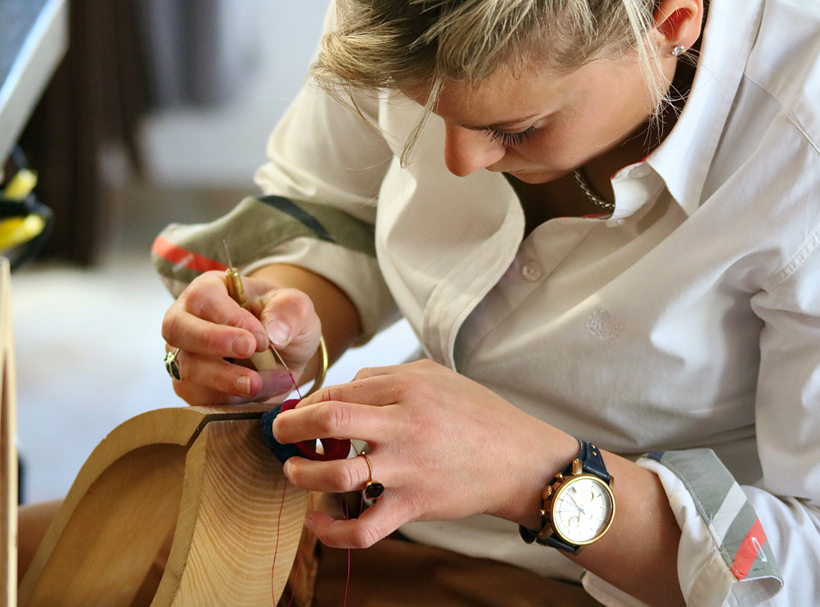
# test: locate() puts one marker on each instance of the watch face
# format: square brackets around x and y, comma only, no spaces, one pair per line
[582,509]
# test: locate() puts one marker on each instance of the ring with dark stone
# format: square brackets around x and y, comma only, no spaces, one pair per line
[172,365]
[372,490]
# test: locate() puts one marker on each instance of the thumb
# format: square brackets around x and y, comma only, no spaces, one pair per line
[291,323]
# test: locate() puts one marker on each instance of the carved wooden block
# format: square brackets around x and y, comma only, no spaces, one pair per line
[204,475]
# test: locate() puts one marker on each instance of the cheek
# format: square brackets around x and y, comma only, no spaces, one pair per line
[559,148]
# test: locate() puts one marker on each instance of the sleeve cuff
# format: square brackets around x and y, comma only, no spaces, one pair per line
[274,229]
[724,557]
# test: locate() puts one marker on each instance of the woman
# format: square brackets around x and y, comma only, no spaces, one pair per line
[591,239]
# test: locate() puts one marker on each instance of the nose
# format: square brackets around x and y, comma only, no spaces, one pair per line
[467,151]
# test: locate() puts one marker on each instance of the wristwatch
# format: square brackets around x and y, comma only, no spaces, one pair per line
[578,504]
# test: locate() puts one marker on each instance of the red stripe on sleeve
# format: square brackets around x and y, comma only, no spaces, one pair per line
[184,258]
[747,553]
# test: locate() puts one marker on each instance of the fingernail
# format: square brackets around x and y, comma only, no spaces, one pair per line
[309,525]
[242,346]
[243,384]
[278,332]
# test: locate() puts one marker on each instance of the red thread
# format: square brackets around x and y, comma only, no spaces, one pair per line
[347,581]
[346,516]
[294,384]
[295,577]
[313,455]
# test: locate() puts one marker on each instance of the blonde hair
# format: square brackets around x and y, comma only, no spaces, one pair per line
[403,44]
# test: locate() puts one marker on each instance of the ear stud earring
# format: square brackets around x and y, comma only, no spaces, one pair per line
[678,50]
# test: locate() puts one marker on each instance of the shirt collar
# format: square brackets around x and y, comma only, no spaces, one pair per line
[684,158]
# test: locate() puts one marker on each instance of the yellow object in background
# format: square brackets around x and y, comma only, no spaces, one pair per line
[18,230]
[25,223]
[20,186]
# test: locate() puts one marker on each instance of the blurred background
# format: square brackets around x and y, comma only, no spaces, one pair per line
[158,113]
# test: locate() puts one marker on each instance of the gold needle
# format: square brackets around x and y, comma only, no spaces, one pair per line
[237,292]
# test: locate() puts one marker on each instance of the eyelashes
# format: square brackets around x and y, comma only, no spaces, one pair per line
[512,139]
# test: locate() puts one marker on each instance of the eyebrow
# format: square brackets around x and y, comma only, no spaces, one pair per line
[500,125]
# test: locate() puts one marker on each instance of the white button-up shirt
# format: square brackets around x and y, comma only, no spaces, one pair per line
[688,319]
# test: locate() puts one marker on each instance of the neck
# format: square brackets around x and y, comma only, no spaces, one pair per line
[648,136]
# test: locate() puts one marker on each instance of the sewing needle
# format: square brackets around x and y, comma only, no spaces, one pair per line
[237,292]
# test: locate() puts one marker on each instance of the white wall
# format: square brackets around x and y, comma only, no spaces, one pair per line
[225,146]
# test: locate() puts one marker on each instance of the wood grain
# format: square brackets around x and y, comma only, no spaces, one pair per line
[8,452]
[235,528]
[203,473]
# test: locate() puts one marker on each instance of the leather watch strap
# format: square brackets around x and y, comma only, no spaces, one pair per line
[590,456]
[593,463]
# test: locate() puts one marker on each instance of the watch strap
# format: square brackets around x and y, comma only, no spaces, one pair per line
[553,541]
[590,456]
[593,463]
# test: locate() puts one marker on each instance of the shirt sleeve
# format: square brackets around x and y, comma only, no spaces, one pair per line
[317,210]
[725,557]
[758,545]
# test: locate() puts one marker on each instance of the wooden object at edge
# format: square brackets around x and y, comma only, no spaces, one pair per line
[201,473]
[8,452]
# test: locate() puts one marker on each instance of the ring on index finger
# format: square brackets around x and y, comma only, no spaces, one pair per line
[372,490]
[172,365]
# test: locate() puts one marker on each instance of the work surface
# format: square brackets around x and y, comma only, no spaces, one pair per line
[33,38]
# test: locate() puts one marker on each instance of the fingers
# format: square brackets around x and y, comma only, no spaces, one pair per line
[386,515]
[284,313]
[209,380]
[419,366]
[291,323]
[338,476]
[194,334]
[331,420]
[205,319]
[207,326]
[378,390]
[215,375]
[196,395]
[357,409]
[377,522]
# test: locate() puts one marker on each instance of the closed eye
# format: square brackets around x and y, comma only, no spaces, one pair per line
[511,140]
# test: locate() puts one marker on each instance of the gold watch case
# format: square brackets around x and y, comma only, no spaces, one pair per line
[577,508]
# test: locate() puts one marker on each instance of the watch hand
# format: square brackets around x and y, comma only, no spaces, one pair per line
[580,507]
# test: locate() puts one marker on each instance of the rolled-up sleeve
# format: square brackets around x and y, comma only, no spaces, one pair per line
[317,209]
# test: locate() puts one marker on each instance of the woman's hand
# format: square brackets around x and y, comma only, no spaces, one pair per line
[443,446]
[208,326]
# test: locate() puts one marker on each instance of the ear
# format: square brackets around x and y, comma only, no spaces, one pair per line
[677,22]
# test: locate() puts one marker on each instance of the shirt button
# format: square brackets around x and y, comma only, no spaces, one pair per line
[532,271]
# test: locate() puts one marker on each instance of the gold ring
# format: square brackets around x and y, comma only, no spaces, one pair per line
[172,365]
[372,490]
